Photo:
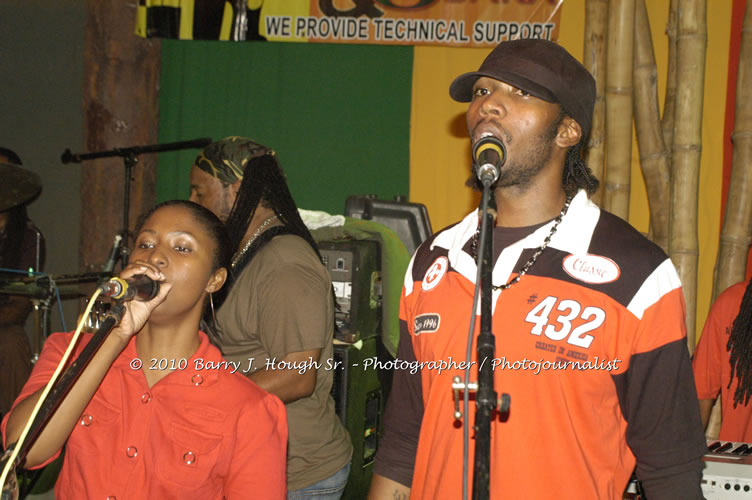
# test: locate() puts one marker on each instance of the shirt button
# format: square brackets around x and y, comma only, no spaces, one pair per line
[197,379]
[131,452]
[86,420]
[112,497]
[189,457]
[145,397]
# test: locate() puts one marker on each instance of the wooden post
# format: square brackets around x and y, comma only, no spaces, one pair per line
[619,107]
[121,109]
[653,155]
[687,146]
[596,25]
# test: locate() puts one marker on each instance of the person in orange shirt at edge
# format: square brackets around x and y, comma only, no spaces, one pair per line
[134,427]
[722,362]
[588,317]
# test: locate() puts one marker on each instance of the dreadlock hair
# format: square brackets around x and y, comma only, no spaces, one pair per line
[739,342]
[264,183]
[577,175]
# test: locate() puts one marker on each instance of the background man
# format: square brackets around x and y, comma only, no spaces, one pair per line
[280,307]
[723,362]
[570,433]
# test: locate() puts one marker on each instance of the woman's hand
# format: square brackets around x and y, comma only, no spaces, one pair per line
[137,311]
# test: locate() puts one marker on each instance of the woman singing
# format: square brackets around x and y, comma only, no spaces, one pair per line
[157,413]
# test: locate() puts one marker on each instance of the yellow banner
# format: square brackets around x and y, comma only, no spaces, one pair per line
[458,23]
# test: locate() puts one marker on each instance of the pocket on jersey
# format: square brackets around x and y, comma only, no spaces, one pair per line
[97,430]
[187,456]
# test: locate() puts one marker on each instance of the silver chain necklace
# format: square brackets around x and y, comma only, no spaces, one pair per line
[537,253]
[255,235]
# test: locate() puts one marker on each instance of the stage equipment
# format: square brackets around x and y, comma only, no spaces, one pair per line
[355,269]
[19,186]
[409,220]
[130,159]
[43,290]
[727,473]
[359,387]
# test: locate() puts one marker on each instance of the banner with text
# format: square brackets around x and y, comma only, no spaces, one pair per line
[458,23]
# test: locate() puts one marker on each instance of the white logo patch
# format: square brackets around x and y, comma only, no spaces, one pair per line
[594,269]
[434,274]
[426,323]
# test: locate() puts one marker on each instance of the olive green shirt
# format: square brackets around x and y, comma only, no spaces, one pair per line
[282,303]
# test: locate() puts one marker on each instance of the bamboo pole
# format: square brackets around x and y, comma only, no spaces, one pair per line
[669,101]
[619,107]
[596,24]
[731,263]
[653,156]
[687,147]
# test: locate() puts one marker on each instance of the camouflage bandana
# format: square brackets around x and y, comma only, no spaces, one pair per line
[226,159]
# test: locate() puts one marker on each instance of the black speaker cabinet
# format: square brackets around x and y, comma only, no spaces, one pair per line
[360,390]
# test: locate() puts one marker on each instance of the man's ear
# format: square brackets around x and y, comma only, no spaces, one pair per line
[235,187]
[216,280]
[569,132]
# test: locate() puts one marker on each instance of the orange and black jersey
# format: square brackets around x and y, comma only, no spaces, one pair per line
[591,347]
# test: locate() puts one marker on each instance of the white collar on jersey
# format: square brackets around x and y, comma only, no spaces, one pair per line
[573,236]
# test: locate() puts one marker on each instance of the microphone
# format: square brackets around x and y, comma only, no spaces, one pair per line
[109,264]
[489,155]
[139,287]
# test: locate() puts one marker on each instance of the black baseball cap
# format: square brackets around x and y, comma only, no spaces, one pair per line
[542,68]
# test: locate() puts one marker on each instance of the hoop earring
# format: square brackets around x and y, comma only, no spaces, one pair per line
[211,304]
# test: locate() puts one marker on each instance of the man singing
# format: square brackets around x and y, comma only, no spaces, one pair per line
[587,312]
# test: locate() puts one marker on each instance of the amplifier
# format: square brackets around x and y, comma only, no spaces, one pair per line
[359,388]
[355,269]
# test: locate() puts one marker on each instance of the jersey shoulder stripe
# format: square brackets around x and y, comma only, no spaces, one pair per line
[641,264]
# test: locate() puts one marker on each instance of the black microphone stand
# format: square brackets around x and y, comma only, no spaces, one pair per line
[486,397]
[130,159]
[64,385]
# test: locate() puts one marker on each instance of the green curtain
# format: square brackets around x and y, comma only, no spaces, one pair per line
[337,115]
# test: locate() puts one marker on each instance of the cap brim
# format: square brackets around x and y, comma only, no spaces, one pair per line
[461,89]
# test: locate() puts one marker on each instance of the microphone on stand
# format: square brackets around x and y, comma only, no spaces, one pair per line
[139,287]
[109,264]
[489,155]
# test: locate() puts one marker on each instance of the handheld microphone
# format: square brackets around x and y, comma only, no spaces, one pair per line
[489,155]
[139,287]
